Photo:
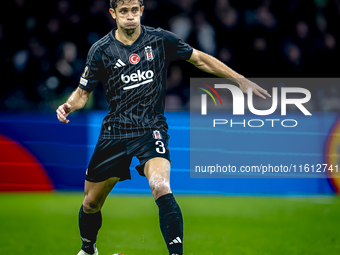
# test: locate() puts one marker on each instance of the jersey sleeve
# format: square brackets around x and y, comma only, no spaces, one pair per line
[93,72]
[176,48]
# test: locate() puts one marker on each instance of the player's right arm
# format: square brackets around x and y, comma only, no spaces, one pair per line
[76,101]
[92,75]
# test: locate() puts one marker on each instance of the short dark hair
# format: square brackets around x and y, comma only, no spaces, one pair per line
[113,3]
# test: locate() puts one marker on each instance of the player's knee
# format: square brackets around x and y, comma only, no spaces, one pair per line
[91,206]
[159,187]
[160,192]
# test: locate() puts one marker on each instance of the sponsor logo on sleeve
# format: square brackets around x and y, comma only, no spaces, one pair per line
[83,81]
[86,72]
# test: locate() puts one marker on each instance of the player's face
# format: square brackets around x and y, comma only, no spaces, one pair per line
[127,15]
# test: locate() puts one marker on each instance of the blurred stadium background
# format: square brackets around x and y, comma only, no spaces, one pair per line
[43,47]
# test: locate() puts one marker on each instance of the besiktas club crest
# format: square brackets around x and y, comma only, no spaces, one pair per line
[149,53]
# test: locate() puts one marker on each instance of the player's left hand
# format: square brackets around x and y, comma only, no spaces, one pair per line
[257,90]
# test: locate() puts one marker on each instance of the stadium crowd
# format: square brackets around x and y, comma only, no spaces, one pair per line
[43,46]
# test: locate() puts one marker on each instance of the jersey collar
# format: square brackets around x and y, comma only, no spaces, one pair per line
[142,32]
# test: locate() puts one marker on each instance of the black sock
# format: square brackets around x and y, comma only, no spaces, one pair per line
[89,225]
[171,223]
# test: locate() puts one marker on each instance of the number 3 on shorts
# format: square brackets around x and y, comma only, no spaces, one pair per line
[161,148]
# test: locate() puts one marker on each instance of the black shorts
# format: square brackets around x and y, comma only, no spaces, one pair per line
[112,157]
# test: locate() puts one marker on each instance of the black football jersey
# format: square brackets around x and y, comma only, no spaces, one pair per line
[134,79]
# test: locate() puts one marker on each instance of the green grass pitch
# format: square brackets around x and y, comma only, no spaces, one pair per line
[43,224]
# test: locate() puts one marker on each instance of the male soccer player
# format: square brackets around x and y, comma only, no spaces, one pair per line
[131,62]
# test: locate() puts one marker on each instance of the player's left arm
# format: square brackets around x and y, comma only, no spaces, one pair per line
[213,66]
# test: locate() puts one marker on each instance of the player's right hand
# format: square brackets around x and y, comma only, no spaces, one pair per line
[62,112]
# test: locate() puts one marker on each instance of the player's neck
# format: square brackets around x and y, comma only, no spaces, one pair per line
[126,38]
